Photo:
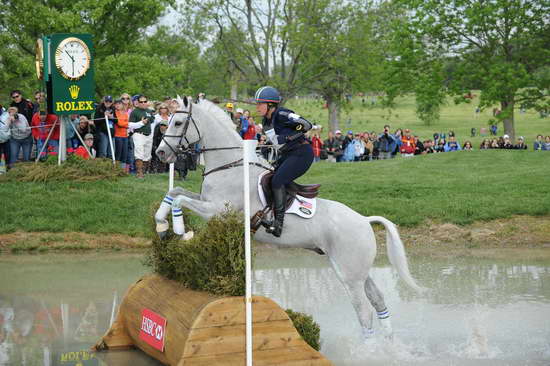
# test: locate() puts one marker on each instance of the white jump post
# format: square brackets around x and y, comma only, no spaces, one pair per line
[171,179]
[110,139]
[248,145]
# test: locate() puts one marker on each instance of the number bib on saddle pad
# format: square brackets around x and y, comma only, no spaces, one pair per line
[301,206]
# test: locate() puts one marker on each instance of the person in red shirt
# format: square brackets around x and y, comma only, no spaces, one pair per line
[42,124]
[407,144]
[89,142]
[317,145]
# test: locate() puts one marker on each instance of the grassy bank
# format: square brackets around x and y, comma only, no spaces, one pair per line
[459,188]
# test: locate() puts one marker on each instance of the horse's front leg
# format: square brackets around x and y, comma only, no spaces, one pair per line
[161,216]
[205,209]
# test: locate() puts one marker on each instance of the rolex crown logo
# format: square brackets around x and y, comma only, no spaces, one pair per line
[74,90]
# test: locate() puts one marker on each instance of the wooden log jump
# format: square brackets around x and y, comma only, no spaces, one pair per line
[203,329]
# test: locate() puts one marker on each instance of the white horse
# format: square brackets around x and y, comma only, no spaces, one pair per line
[345,236]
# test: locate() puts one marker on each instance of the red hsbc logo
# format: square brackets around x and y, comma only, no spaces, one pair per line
[153,329]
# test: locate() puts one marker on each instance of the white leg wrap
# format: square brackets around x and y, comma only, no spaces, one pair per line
[177,221]
[164,209]
[385,324]
[367,333]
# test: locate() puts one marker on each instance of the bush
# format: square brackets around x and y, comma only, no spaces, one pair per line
[212,261]
[74,168]
[306,327]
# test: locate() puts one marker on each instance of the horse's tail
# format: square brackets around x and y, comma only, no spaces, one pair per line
[396,251]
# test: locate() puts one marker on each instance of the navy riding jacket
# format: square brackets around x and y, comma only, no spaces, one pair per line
[288,131]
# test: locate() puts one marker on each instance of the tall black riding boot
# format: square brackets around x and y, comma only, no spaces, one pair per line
[279,203]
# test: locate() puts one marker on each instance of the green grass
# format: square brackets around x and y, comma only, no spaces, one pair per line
[458,187]
[458,118]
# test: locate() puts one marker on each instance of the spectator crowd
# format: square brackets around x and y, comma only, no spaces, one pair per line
[130,128]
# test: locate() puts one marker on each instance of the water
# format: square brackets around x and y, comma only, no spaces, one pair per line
[53,308]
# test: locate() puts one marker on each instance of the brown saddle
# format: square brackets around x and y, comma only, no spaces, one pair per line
[292,189]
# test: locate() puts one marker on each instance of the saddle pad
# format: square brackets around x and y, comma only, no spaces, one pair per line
[301,206]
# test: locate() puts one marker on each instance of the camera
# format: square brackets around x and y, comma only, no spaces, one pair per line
[16,116]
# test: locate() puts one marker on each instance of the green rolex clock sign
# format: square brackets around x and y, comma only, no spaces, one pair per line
[69,73]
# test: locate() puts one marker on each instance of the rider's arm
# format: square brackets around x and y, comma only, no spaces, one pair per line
[297,122]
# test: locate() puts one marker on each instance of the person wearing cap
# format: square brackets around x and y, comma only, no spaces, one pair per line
[121,134]
[520,144]
[241,122]
[84,127]
[87,152]
[105,109]
[507,144]
[20,135]
[229,110]
[285,129]
[141,122]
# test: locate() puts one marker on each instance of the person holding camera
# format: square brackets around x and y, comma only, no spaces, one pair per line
[20,132]
[387,144]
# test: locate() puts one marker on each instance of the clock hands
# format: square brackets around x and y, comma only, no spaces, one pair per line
[72,59]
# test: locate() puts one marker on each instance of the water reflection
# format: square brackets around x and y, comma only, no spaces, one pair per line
[54,308]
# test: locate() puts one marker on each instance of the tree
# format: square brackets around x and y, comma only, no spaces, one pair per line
[118,28]
[254,38]
[500,46]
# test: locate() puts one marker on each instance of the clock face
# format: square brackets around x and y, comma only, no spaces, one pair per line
[72,58]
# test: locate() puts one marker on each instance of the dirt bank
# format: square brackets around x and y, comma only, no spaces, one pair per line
[525,236]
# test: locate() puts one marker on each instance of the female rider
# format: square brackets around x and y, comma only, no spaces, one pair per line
[285,130]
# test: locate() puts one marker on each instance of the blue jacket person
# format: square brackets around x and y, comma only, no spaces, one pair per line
[285,129]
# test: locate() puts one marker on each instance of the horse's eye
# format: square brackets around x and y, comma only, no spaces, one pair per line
[179,123]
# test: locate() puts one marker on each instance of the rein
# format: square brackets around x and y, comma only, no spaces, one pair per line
[178,150]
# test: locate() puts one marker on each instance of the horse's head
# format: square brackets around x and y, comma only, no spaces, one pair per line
[182,133]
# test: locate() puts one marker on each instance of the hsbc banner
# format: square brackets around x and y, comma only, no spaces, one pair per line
[153,329]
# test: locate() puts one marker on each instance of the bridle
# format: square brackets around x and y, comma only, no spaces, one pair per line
[179,149]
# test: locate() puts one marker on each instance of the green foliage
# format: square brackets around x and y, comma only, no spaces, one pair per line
[307,328]
[212,261]
[74,169]
[497,46]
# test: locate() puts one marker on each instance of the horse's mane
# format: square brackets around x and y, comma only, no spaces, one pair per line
[212,111]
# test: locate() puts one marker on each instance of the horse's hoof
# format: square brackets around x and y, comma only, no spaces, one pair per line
[188,236]
[368,334]
[162,235]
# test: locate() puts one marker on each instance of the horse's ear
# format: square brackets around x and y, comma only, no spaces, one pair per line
[180,101]
[185,101]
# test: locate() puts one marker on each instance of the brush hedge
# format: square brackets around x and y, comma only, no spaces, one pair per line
[75,168]
[214,261]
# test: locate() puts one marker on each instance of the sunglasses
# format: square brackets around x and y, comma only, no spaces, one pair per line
[125,98]
[15,96]
[143,101]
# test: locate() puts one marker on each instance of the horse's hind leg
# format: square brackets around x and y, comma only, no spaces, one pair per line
[362,307]
[377,300]
[360,303]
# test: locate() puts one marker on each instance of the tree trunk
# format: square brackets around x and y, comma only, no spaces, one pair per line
[333,114]
[507,107]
